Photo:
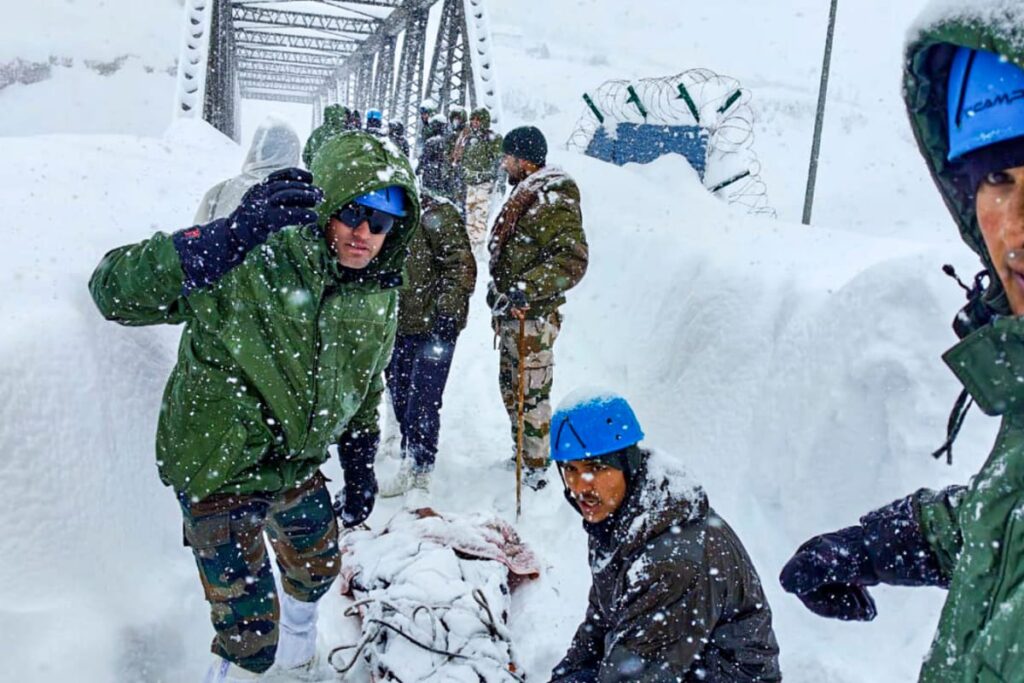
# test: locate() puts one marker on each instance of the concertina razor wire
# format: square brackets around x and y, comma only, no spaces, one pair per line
[696,97]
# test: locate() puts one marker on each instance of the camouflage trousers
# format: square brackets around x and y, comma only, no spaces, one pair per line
[226,536]
[478,205]
[539,371]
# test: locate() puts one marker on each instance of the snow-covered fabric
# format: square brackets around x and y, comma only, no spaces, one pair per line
[433,593]
[275,145]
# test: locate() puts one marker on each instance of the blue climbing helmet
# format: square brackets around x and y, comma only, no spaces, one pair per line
[593,426]
[985,101]
[374,115]
[390,199]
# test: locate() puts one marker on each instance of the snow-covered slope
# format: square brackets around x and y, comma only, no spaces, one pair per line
[793,369]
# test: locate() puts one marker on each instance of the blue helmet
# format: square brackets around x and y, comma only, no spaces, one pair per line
[374,115]
[985,101]
[390,199]
[593,427]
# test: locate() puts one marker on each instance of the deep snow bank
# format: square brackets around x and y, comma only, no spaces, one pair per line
[793,370]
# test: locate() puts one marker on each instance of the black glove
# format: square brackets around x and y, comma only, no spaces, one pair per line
[517,298]
[828,573]
[446,329]
[284,198]
[502,303]
[354,503]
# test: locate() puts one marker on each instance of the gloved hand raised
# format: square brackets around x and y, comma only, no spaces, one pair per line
[207,252]
[284,198]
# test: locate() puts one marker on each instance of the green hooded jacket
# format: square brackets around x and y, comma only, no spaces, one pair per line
[481,150]
[977,534]
[335,119]
[440,270]
[282,355]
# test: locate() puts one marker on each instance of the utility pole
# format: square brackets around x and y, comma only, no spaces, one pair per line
[819,120]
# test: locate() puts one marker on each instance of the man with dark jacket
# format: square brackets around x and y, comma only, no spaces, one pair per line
[538,251]
[964,91]
[432,310]
[433,167]
[674,598]
[290,316]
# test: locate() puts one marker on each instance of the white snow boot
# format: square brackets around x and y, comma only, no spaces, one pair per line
[223,671]
[405,480]
[296,642]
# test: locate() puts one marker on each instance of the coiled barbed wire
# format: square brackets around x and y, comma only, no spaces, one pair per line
[696,97]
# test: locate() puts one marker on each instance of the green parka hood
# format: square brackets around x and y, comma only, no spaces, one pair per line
[945,25]
[335,115]
[347,166]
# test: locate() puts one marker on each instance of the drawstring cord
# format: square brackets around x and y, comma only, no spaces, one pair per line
[956,421]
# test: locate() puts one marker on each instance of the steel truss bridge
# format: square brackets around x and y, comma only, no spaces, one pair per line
[360,53]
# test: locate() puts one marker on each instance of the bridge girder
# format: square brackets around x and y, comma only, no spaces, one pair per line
[266,16]
[348,54]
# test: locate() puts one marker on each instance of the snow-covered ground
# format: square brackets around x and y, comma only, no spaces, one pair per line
[794,370]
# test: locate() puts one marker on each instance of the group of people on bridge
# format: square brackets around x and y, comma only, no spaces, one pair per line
[305,292]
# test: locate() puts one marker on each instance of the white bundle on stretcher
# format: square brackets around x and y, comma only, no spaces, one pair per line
[433,593]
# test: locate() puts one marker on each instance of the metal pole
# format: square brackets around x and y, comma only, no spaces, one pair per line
[819,119]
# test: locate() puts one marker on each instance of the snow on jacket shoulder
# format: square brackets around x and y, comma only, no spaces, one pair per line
[544,249]
[675,597]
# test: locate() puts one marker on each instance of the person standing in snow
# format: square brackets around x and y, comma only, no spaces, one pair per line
[456,125]
[290,317]
[337,119]
[538,251]
[428,110]
[432,310]
[433,167]
[476,158]
[375,123]
[964,90]
[674,597]
[396,133]
[275,146]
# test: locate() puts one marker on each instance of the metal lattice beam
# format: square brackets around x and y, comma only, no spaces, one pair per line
[328,45]
[253,54]
[248,67]
[323,22]
[409,84]
[276,96]
[451,73]
[310,82]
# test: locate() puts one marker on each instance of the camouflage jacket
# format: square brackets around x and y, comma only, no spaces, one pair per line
[537,244]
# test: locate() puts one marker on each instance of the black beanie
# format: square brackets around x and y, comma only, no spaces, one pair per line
[527,143]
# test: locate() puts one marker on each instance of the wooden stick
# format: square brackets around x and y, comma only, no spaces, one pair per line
[521,416]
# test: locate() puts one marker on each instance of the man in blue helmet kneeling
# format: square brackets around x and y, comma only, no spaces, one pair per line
[674,596]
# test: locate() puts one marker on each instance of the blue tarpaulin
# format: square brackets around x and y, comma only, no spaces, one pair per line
[642,143]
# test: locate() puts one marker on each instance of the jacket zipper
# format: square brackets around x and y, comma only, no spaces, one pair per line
[327,292]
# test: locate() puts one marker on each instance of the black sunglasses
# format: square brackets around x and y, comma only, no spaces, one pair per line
[353,215]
